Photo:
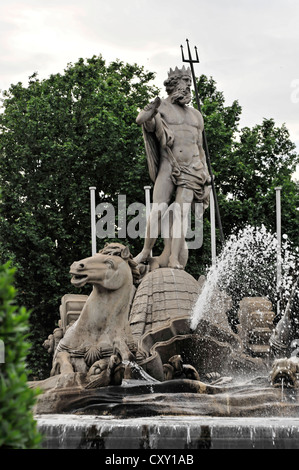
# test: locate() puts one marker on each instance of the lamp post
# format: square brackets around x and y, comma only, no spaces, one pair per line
[147,190]
[213,229]
[278,232]
[92,190]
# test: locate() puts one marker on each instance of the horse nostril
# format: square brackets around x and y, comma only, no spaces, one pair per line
[81,265]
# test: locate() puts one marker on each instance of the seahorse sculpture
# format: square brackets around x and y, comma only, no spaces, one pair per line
[103,329]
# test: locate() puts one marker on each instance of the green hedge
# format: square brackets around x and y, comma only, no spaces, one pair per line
[17,425]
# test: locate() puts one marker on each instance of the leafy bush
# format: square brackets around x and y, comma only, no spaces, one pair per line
[17,425]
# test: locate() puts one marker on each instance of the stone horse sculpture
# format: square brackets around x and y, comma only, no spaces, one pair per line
[102,330]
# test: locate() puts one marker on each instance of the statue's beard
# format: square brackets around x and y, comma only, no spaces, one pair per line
[181,95]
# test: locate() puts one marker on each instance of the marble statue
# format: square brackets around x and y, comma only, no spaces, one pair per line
[102,329]
[177,164]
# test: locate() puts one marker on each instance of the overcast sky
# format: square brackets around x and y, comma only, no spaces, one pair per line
[250,47]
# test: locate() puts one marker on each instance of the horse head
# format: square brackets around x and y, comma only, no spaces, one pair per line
[110,268]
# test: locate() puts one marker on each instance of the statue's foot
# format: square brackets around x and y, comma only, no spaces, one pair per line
[174,263]
[154,263]
[143,257]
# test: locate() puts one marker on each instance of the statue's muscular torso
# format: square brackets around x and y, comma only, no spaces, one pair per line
[186,125]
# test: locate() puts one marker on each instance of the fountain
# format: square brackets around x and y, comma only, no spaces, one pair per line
[229,395]
[156,359]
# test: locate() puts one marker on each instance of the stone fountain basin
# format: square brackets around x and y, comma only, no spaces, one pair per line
[175,414]
[69,431]
[247,398]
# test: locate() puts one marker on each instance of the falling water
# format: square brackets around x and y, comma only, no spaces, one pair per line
[246,267]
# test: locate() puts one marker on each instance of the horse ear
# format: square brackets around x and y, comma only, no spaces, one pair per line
[125,253]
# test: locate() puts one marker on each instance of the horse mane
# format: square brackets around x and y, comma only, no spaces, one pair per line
[117,249]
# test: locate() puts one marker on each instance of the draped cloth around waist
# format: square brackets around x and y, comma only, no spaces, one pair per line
[195,178]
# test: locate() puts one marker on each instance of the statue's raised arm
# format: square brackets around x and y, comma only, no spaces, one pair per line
[146,116]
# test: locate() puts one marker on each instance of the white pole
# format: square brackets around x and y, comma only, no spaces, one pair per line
[2,352]
[278,232]
[92,190]
[147,190]
[213,228]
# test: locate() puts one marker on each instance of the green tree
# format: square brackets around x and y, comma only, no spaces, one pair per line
[58,137]
[17,426]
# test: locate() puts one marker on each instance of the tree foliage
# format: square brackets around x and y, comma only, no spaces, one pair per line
[17,426]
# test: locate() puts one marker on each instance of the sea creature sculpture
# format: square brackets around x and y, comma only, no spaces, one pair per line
[175,369]
[285,372]
[102,329]
[104,373]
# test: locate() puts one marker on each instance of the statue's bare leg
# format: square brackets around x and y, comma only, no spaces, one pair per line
[166,232]
[183,201]
[162,193]
[163,259]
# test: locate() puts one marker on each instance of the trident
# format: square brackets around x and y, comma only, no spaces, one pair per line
[205,142]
